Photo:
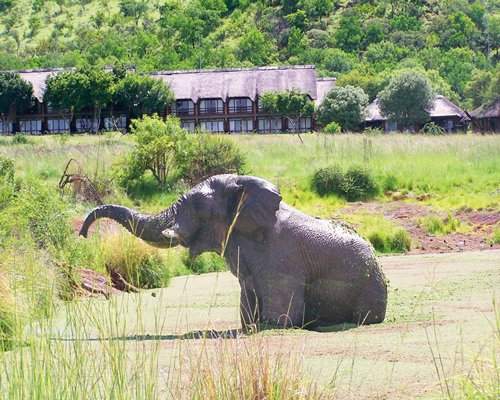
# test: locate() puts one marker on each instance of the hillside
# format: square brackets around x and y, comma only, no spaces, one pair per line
[360,42]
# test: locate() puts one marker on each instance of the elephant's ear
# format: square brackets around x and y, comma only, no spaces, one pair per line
[254,211]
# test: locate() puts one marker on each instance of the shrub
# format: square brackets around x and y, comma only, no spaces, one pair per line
[373,131]
[440,226]
[6,181]
[431,128]
[137,262]
[390,183]
[207,262]
[398,241]
[357,183]
[163,148]
[328,180]
[332,128]
[495,238]
[19,138]
[213,155]
[7,318]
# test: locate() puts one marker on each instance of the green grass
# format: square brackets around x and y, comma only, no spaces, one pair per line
[443,226]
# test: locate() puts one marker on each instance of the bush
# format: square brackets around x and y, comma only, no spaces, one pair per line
[431,128]
[328,180]
[6,181]
[207,262]
[398,241]
[332,128]
[163,149]
[357,183]
[440,226]
[19,138]
[7,318]
[137,262]
[213,155]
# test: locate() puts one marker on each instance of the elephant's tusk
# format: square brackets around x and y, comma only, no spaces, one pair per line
[171,234]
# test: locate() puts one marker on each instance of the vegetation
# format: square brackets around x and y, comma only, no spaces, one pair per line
[15,97]
[360,43]
[213,155]
[291,104]
[407,99]
[357,183]
[163,149]
[344,105]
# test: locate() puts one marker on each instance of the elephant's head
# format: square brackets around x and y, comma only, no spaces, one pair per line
[203,218]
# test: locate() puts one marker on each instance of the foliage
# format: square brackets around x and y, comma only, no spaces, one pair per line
[137,262]
[204,263]
[15,97]
[212,155]
[431,128]
[344,105]
[143,93]
[407,99]
[398,241]
[291,104]
[357,183]
[7,184]
[19,138]
[441,226]
[162,148]
[332,128]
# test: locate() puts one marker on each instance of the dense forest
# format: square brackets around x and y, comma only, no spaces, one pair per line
[455,43]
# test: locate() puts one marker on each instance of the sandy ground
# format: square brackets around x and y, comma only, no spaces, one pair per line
[440,318]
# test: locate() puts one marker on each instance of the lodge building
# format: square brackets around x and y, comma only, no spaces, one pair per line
[219,101]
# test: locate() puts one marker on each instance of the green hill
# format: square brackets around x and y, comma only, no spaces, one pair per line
[360,42]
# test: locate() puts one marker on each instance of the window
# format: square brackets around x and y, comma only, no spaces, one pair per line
[115,123]
[211,106]
[183,107]
[304,124]
[212,125]
[270,125]
[85,125]
[58,125]
[190,125]
[1,128]
[240,125]
[391,126]
[240,105]
[31,126]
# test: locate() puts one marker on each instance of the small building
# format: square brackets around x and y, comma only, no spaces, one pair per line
[444,113]
[487,117]
[218,100]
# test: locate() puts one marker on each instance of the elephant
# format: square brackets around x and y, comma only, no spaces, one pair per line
[294,270]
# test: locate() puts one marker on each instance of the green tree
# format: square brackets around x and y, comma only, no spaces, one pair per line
[255,47]
[162,148]
[64,91]
[100,91]
[291,104]
[143,94]
[407,99]
[344,105]
[15,97]
[349,35]
[134,8]
[478,88]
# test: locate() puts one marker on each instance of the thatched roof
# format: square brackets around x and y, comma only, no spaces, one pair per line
[323,86]
[442,108]
[220,83]
[492,111]
[37,79]
[240,82]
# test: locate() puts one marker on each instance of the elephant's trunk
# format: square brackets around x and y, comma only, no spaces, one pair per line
[147,227]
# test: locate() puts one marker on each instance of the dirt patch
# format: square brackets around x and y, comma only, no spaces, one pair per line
[407,215]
